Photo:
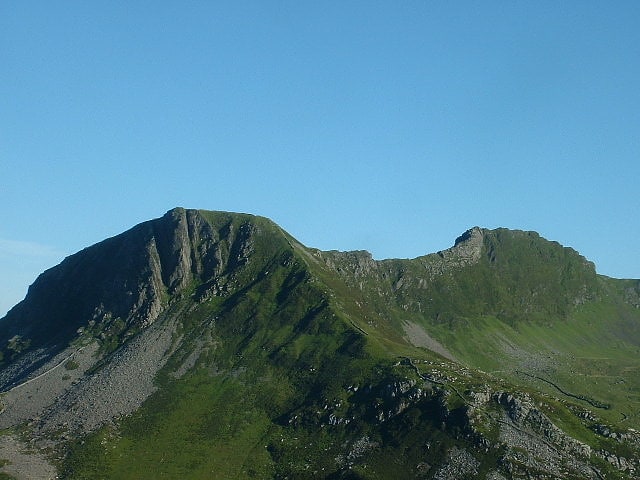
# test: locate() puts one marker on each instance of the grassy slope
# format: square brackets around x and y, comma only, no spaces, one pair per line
[571,328]
[582,358]
[529,308]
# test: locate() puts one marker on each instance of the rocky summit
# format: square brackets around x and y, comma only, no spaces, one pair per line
[215,345]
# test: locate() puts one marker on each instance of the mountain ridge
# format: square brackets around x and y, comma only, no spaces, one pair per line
[475,345]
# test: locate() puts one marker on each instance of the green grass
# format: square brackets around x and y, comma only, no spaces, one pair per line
[582,358]
[199,427]
[71,365]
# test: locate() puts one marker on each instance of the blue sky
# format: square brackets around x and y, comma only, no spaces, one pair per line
[386,126]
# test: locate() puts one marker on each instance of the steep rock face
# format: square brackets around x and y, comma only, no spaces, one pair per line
[467,247]
[122,284]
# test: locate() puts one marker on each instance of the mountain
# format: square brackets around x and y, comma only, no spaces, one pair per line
[215,345]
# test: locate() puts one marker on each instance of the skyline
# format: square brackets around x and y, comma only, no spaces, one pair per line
[382,127]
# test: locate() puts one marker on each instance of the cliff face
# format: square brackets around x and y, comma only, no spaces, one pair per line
[129,278]
[209,341]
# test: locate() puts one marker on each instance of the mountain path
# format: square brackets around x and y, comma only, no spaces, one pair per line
[46,372]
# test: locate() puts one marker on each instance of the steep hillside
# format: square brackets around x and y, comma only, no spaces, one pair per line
[214,345]
[512,303]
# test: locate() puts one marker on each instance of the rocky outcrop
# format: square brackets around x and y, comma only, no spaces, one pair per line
[632,294]
[523,413]
[458,464]
[467,248]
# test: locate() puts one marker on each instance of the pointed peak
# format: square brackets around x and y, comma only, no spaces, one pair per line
[473,234]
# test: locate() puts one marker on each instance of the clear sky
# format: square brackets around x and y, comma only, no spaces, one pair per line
[379,125]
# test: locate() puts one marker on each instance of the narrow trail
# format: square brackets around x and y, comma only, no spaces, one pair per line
[43,373]
[593,403]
